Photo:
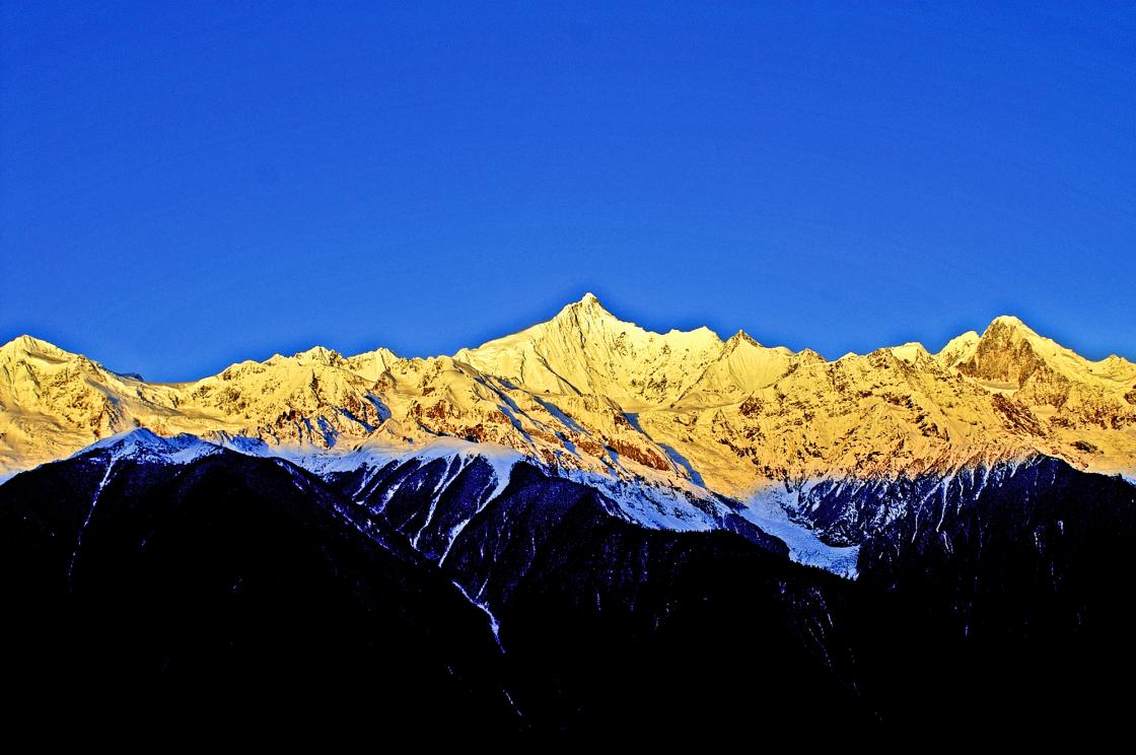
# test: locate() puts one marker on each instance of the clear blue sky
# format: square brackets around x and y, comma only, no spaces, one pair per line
[185,184]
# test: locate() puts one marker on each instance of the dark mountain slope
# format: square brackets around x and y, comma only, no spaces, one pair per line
[236,586]
[608,626]
[665,634]
[249,581]
[997,595]
[1006,603]
[231,581]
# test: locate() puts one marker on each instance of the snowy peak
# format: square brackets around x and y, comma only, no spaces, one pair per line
[320,355]
[591,319]
[25,344]
[742,367]
[910,352]
[586,350]
[588,307]
[739,339]
[585,315]
[372,364]
[958,349]
[1010,354]
[1010,329]
[1006,353]
[25,347]
[143,445]
[1012,323]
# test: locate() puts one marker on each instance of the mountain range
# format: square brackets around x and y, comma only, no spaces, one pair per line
[580,530]
[588,392]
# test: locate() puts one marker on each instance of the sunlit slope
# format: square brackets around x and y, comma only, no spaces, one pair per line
[587,391]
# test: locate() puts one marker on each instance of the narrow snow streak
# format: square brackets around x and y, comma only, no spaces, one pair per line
[946,488]
[87,521]
[502,473]
[494,625]
[449,476]
[367,477]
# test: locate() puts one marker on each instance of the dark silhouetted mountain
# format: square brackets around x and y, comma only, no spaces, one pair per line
[434,599]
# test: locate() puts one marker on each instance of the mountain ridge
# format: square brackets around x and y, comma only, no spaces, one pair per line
[381,352]
[590,392]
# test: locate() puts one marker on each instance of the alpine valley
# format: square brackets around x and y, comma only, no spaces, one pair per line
[583,529]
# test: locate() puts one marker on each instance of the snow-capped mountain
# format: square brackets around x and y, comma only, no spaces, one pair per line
[581,527]
[586,392]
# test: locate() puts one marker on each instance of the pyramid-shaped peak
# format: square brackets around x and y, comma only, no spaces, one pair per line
[911,351]
[741,338]
[809,356]
[1008,322]
[587,302]
[959,349]
[319,354]
[969,337]
[31,345]
[381,353]
[585,309]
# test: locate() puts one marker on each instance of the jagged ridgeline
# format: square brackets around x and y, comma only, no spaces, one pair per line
[581,529]
[587,391]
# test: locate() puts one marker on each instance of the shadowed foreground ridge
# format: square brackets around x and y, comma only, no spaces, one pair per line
[232,578]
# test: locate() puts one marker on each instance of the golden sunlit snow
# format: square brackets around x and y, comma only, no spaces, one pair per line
[587,391]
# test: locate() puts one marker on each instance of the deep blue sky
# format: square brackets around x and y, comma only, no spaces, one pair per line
[182,186]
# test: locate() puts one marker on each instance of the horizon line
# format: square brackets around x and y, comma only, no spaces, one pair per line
[583,299]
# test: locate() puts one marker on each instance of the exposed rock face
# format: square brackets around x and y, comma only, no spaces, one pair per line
[1005,354]
[588,392]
